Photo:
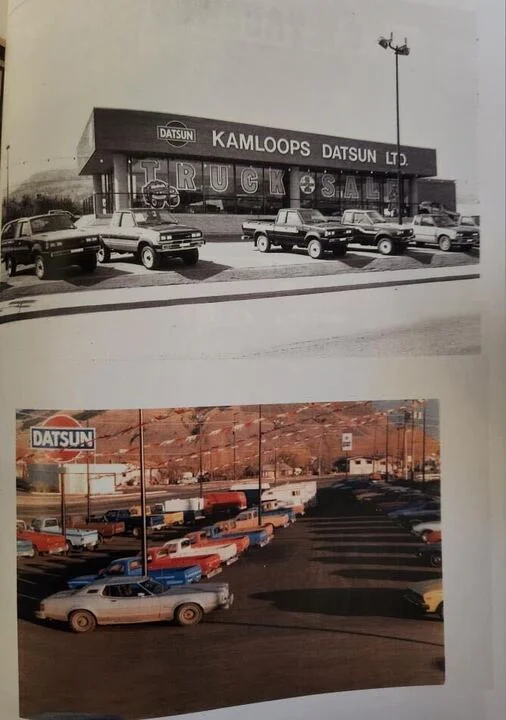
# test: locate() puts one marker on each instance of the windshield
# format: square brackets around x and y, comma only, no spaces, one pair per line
[443,221]
[154,217]
[152,586]
[312,216]
[375,217]
[49,223]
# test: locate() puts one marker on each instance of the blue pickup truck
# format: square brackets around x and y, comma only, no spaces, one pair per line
[228,529]
[133,523]
[132,567]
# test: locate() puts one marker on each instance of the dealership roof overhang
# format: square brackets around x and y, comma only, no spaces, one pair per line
[140,133]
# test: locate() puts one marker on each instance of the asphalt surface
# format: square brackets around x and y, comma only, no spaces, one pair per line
[318,610]
[224,262]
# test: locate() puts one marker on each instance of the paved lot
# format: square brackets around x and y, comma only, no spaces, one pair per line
[225,261]
[319,610]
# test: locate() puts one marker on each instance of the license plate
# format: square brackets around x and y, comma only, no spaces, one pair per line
[77,250]
[185,244]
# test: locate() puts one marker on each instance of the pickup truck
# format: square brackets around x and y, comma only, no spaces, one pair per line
[43,543]
[78,539]
[48,242]
[303,228]
[371,228]
[182,547]
[104,527]
[191,507]
[248,520]
[162,557]
[229,529]
[150,234]
[169,518]
[132,567]
[133,523]
[282,514]
[24,548]
[443,232]
[211,537]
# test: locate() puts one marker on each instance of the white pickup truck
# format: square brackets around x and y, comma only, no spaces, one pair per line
[443,232]
[77,539]
[182,547]
[151,235]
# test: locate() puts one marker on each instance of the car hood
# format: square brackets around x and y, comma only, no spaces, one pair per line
[64,235]
[172,229]
[426,586]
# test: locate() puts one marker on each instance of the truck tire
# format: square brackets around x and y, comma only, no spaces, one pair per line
[190,257]
[435,560]
[88,262]
[315,249]
[10,266]
[43,266]
[103,254]
[188,614]
[81,621]
[385,246]
[263,243]
[149,258]
[136,532]
[444,242]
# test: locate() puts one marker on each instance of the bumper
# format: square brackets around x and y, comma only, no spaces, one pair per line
[228,604]
[213,573]
[68,255]
[40,615]
[265,542]
[179,246]
[232,560]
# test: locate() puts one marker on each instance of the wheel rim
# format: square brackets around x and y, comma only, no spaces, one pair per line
[188,614]
[385,247]
[101,255]
[82,621]
[9,267]
[262,243]
[435,561]
[445,243]
[314,249]
[39,267]
[148,257]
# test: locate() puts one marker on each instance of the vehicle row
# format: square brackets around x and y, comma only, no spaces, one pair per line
[416,511]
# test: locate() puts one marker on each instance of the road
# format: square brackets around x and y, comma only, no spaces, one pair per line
[319,610]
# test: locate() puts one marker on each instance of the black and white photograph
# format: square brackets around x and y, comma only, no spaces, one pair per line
[263,546]
[313,171]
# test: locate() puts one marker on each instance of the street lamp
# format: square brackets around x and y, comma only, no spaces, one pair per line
[7,169]
[388,44]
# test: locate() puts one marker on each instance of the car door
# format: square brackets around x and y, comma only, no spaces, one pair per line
[9,241]
[427,230]
[281,231]
[295,232]
[126,233]
[23,242]
[128,603]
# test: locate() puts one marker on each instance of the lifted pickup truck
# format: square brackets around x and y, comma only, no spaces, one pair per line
[303,228]
[78,539]
[149,234]
[48,242]
[133,523]
[444,232]
[371,228]
[132,567]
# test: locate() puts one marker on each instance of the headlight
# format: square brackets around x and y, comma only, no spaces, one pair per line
[196,235]
[163,238]
[349,232]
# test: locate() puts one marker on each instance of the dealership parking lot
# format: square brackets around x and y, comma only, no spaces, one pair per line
[318,610]
[227,261]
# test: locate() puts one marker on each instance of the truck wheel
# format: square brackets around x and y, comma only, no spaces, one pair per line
[315,249]
[149,258]
[10,266]
[444,243]
[385,246]
[67,549]
[42,267]
[103,254]
[340,251]
[435,560]
[136,532]
[99,541]
[263,243]
[33,552]
[190,257]
[82,621]
[88,262]
[188,614]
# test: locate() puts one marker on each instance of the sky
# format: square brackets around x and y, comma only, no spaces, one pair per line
[309,66]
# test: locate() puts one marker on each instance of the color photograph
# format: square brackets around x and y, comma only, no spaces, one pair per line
[278,550]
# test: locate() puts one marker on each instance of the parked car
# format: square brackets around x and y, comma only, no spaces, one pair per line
[426,597]
[443,232]
[43,543]
[182,547]
[201,538]
[132,567]
[152,235]
[24,548]
[303,228]
[105,528]
[248,519]
[161,557]
[258,537]
[111,601]
[134,523]
[430,555]
[433,536]
[49,242]
[371,228]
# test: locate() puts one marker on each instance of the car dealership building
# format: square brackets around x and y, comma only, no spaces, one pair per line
[199,165]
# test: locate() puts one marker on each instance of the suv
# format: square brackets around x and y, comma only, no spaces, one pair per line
[48,241]
[371,228]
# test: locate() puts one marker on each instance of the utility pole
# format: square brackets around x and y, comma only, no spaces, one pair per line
[88,489]
[234,449]
[259,465]
[413,442]
[386,446]
[201,469]
[374,448]
[63,504]
[424,410]
[144,543]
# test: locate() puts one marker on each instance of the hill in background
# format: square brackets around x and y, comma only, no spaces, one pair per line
[61,183]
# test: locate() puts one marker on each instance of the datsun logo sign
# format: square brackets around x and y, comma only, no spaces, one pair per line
[62,438]
[176,133]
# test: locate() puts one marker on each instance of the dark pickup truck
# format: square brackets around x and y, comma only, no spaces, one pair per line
[150,234]
[299,228]
[49,242]
[371,228]
[132,566]
[133,523]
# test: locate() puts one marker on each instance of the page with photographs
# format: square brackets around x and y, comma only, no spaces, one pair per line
[252,360]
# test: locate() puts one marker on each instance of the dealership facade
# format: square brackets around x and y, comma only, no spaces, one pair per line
[199,165]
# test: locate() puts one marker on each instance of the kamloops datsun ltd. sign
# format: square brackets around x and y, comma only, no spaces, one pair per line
[62,438]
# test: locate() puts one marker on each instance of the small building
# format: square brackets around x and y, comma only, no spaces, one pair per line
[368,466]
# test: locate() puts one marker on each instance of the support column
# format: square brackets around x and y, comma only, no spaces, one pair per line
[98,197]
[413,195]
[294,189]
[120,181]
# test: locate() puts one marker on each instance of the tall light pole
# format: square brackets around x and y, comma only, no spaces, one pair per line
[388,44]
[7,171]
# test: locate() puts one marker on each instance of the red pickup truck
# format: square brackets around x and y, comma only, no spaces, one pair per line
[43,543]
[200,538]
[160,557]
